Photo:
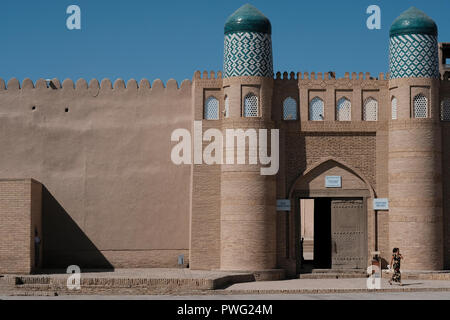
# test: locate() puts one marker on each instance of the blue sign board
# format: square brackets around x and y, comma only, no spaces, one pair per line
[381,204]
[333,182]
[283,205]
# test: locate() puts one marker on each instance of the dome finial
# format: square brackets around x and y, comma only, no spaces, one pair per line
[413,21]
[248,19]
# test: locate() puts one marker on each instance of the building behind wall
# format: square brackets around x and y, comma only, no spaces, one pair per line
[112,197]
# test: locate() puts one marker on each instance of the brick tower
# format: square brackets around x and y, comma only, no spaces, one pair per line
[415,147]
[248,229]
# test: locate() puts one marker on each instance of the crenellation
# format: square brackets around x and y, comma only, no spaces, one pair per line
[81,84]
[68,84]
[41,84]
[94,85]
[197,75]
[157,85]
[172,84]
[186,84]
[119,84]
[13,84]
[133,85]
[144,84]
[27,84]
[106,84]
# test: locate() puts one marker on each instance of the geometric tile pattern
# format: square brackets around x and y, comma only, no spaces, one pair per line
[248,54]
[420,106]
[251,106]
[316,109]
[445,110]
[370,110]
[414,55]
[211,109]
[394,108]
[289,109]
[344,110]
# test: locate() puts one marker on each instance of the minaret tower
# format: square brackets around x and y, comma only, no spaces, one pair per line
[415,164]
[248,216]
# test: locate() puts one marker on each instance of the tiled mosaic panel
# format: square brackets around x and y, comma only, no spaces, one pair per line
[370,110]
[251,105]
[394,103]
[248,54]
[414,55]
[212,109]
[344,110]
[316,109]
[420,106]
[445,110]
[289,109]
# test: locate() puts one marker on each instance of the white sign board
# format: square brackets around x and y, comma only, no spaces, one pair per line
[381,204]
[333,181]
[283,205]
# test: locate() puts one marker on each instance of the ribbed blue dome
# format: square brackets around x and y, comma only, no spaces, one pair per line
[413,21]
[248,19]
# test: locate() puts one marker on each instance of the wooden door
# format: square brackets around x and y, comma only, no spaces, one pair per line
[348,238]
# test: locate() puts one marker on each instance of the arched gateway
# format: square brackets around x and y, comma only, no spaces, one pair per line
[331,205]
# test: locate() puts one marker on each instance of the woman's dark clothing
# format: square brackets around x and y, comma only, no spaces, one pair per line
[397,276]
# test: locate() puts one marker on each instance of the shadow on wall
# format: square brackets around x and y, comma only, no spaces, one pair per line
[64,243]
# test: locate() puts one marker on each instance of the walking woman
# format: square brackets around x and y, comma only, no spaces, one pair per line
[395,263]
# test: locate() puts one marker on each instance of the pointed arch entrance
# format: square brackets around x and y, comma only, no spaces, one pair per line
[340,216]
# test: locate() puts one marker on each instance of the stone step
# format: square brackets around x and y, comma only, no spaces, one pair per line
[329,275]
[333,271]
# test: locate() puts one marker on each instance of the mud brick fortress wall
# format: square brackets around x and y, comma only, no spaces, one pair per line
[111,196]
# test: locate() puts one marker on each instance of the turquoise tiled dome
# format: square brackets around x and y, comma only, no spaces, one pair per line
[248,19]
[413,50]
[413,21]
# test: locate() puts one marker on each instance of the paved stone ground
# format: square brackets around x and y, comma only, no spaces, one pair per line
[334,284]
[335,296]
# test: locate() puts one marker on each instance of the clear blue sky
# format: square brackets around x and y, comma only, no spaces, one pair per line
[173,38]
